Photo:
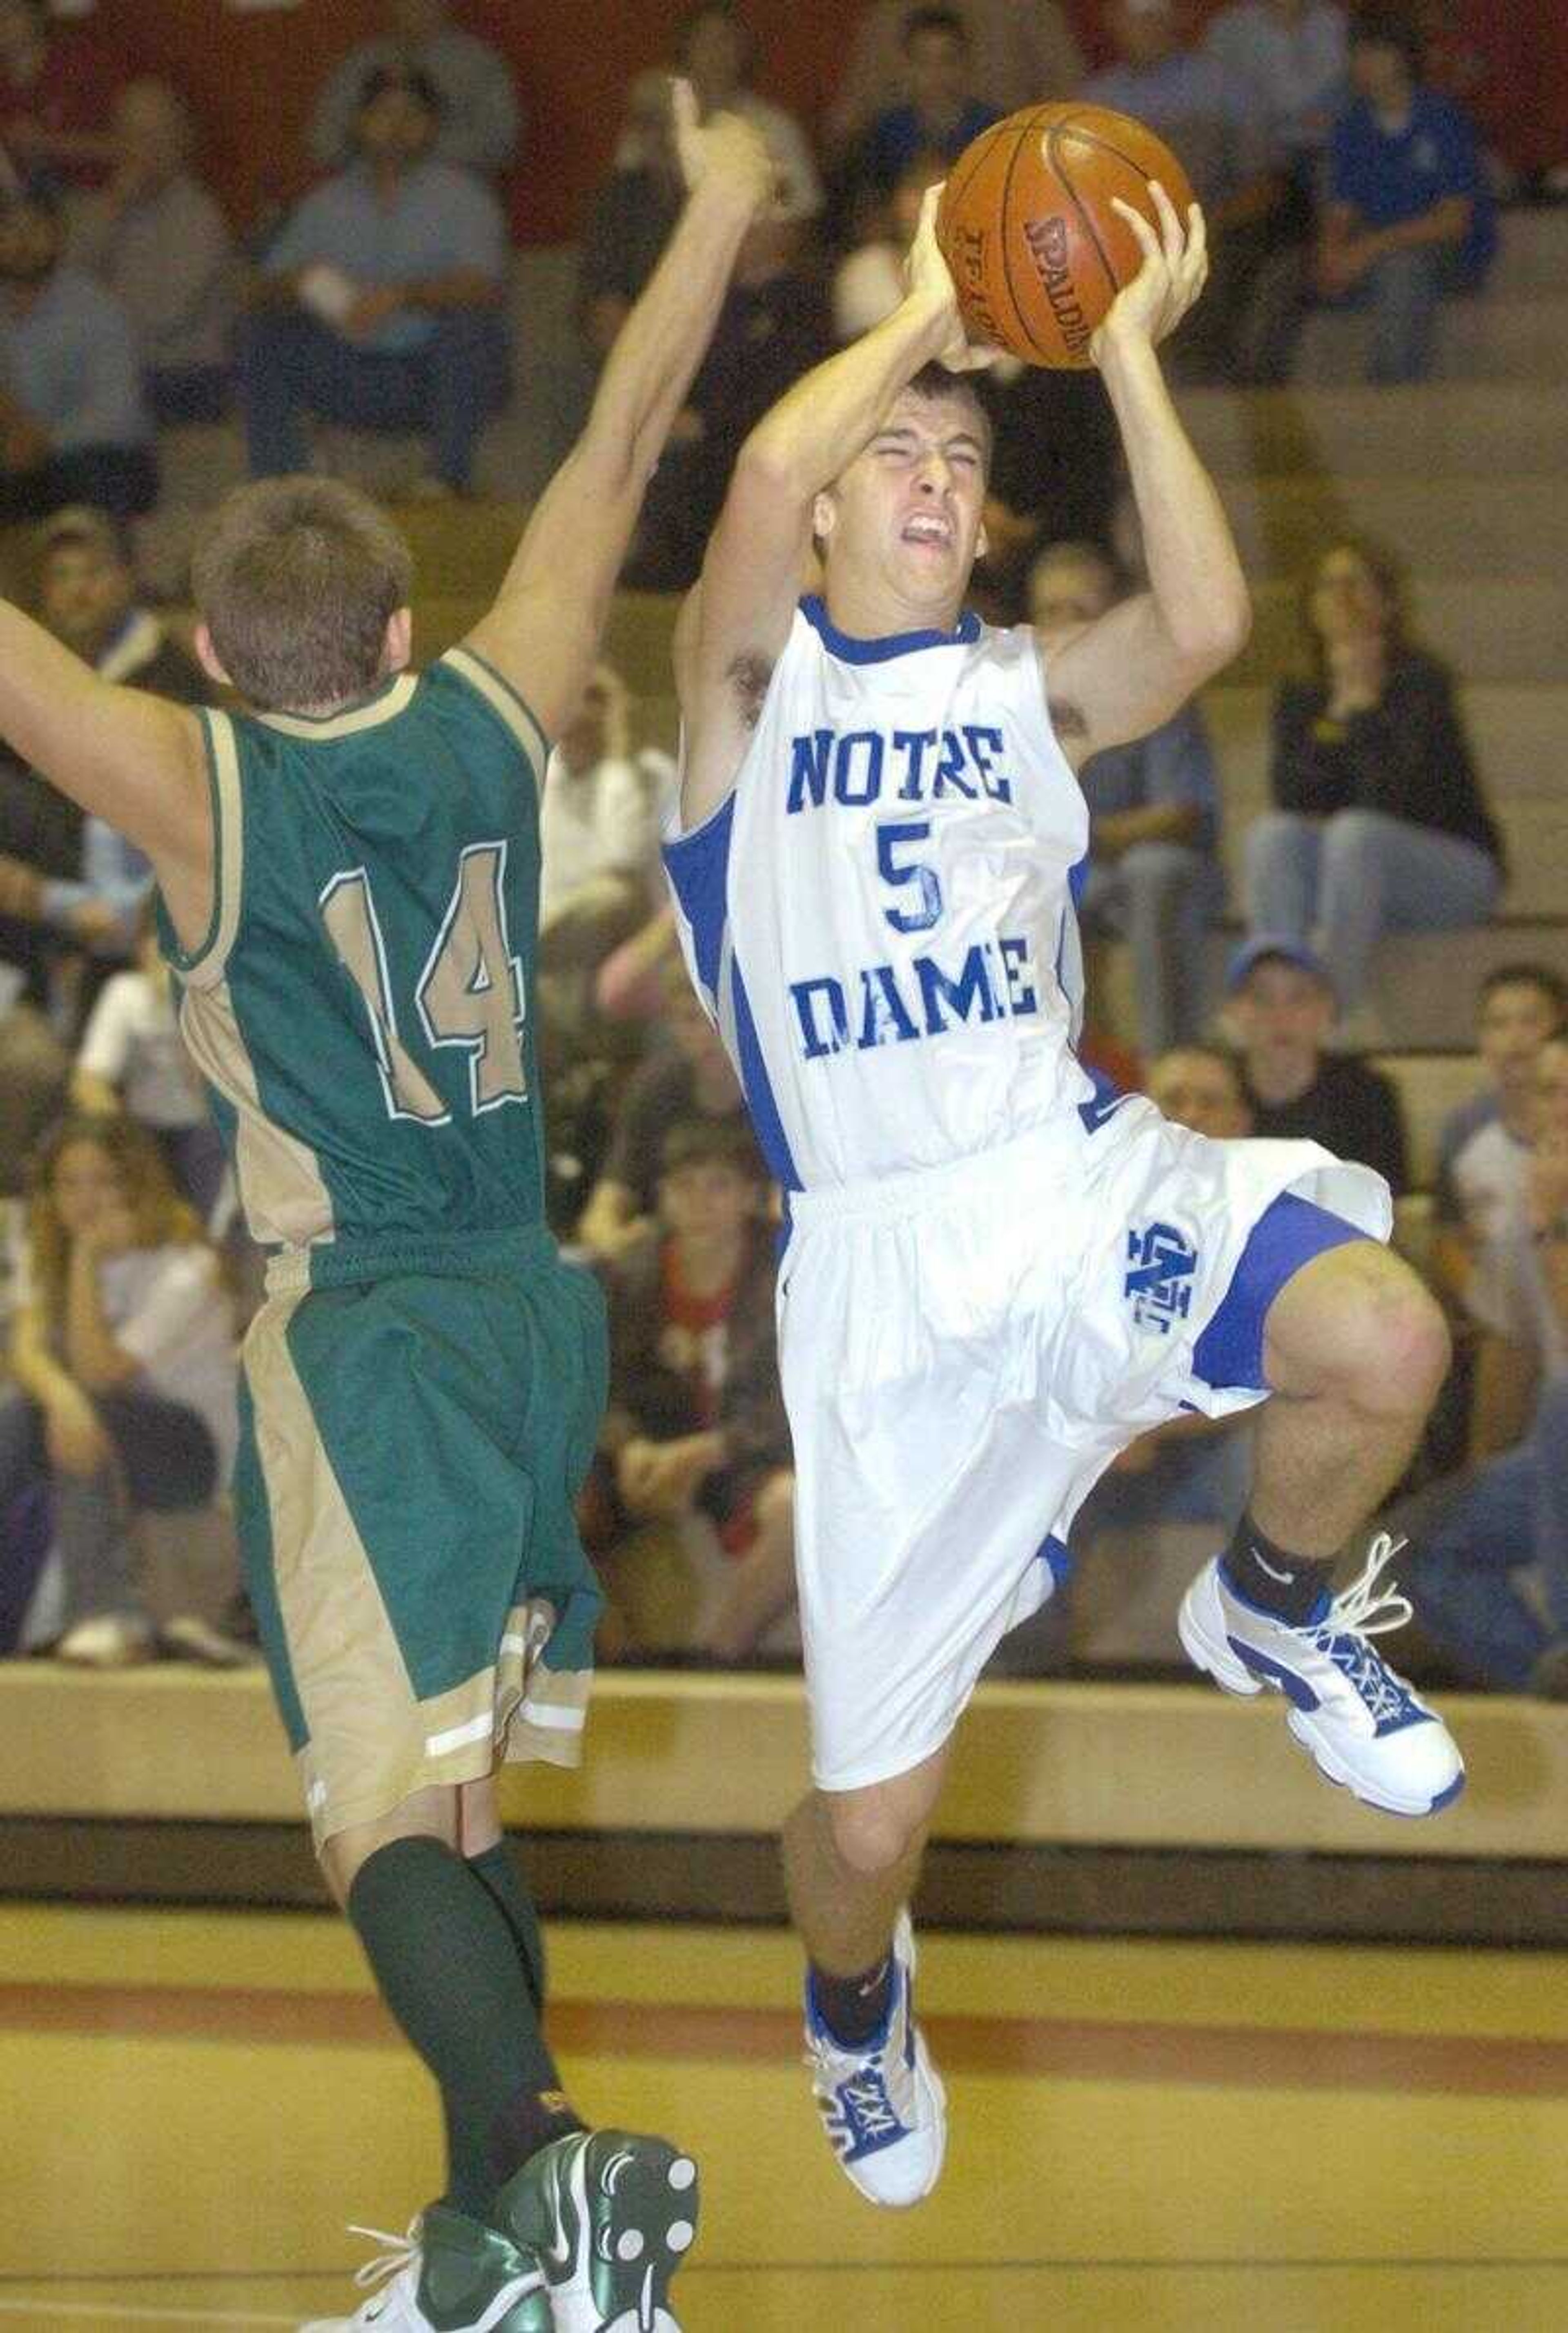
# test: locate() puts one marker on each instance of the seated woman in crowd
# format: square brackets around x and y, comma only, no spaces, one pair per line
[695,1432]
[1378,821]
[125,1379]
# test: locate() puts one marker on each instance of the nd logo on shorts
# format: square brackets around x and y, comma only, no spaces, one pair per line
[1161,1263]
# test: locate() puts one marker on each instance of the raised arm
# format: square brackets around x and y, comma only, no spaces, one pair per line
[1128,671]
[129,758]
[737,619]
[543,631]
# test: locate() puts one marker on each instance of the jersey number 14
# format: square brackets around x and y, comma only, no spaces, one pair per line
[469,994]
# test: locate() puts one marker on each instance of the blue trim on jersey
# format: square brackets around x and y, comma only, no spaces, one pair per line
[1288,1234]
[760,1101]
[853,651]
[1078,875]
[699,867]
[1053,1553]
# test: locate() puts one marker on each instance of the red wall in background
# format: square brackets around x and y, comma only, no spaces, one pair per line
[253,74]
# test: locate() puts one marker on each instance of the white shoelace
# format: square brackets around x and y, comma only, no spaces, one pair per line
[400,2252]
[1364,1609]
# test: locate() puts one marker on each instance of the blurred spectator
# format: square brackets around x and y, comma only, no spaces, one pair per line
[631,215]
[716,50]
[478,122]
[87,596]
[1153,877]
[1196,1470]
[1379,823]
[34,1072]
[941,112]
[695,1425]
[1218,131]
[688,1076]
[132,1060]
[868,282]
[597,816]
[600,844]
[1280,1006]
[380,302]
[125,1377]
[1484,1148]
[1514,1514]
[772,328]
[1020,52]
[73,427]
[1408,219]
[159,241]
[1293,56]
[57,88]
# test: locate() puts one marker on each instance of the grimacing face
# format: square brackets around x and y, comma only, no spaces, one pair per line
[908,513]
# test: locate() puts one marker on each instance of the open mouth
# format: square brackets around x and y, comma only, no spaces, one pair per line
[928,532]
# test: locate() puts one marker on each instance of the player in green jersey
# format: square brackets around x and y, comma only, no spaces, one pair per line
[349,873]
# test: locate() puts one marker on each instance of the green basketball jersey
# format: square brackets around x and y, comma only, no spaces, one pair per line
[360,1006]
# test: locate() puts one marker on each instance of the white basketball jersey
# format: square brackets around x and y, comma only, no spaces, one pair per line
[880,917]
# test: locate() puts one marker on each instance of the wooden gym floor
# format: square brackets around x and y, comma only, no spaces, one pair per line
[1150,2135]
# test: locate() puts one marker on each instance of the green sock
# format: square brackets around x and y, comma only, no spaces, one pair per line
[497,1868]
[447,1962]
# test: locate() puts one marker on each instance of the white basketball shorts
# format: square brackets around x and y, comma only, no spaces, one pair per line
[965,1349]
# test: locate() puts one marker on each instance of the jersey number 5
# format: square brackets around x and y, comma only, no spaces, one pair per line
[927,887]
[470,993]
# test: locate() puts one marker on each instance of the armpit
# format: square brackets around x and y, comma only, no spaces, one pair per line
[1067,718]
[750,676]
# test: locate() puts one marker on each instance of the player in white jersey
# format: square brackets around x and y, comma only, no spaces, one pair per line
[994,1280]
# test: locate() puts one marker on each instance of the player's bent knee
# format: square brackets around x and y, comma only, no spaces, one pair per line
[1401,1348]
[430,1814]
[872,1833]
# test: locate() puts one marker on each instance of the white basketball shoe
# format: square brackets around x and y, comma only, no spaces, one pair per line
[1366,1728]
[883,2106]
[449,2274]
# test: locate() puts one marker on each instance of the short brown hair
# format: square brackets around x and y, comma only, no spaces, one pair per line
[296,582]
[933,382]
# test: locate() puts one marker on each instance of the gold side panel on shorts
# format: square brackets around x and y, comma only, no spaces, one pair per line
[281,1187]
[371,1744]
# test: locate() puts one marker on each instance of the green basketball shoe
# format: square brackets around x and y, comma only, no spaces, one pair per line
[449,2274]
[609,2218]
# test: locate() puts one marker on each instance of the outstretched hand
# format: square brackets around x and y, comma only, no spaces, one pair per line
[1174,271]
[927,275]
[725,151]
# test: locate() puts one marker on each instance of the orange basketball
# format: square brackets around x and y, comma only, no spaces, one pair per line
[1027,228]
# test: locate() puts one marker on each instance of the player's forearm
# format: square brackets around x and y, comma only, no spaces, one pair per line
[819,426]
[666,334]
[1195,577]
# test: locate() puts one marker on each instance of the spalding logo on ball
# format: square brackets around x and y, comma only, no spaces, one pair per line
[1035,251]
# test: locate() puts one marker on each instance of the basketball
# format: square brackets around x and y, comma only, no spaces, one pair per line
[1026,225]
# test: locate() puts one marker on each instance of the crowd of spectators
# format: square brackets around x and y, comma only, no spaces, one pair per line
[1331,170]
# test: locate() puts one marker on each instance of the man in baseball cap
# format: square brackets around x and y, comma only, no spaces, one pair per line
[1280,1008]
